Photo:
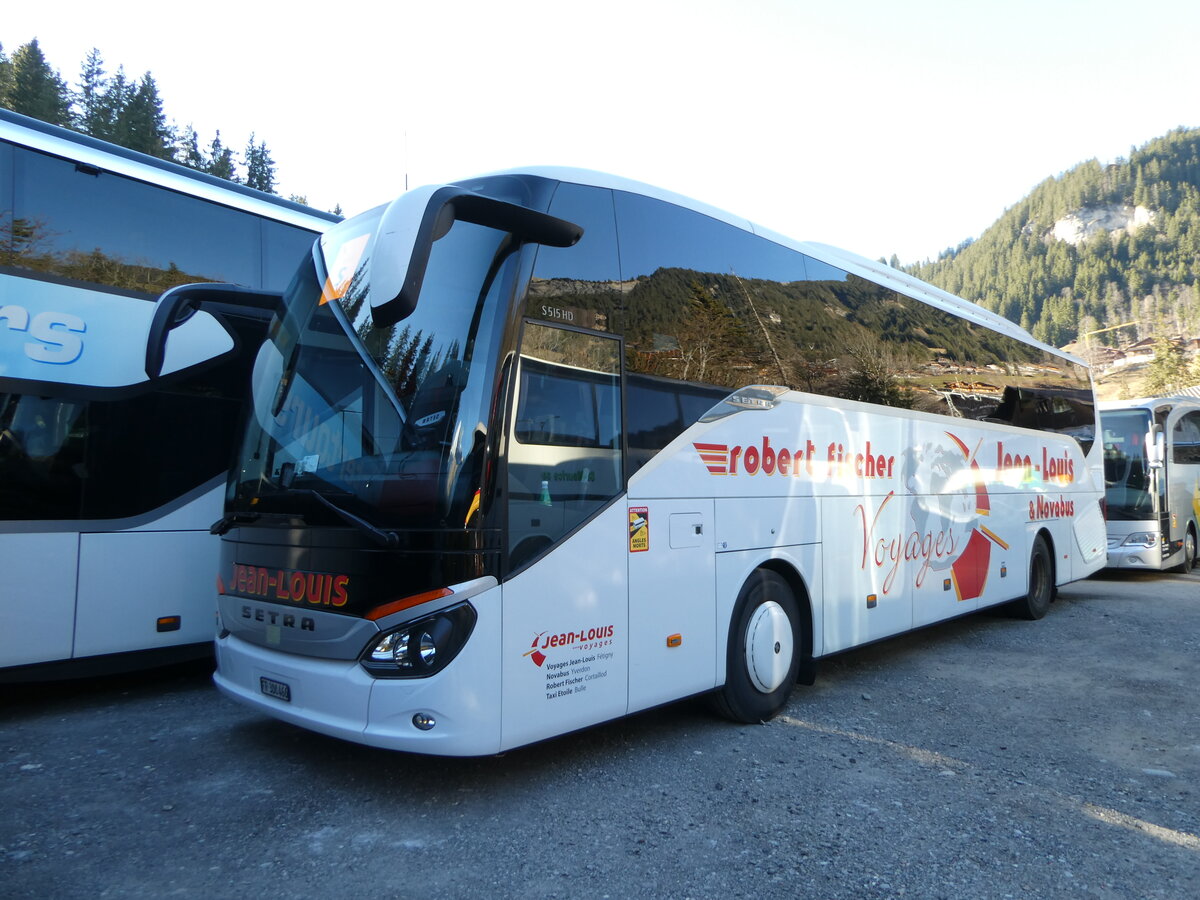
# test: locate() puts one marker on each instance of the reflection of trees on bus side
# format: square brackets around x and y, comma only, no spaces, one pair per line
[874,372]
[847,338]
[23,245]
[570,348]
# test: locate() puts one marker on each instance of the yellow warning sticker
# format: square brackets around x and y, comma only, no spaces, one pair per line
[639,529]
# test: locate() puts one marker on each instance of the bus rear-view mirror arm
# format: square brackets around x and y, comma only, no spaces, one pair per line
[178,304]
[412,223]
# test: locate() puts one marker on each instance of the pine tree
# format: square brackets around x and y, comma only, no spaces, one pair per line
[220,160]
[37,90]
[187,149]
[89,114]
[5,79]
[110,107]
[1168,371]
[142,126]
[260,168]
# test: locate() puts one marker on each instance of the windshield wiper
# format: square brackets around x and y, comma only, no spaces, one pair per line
[389,539]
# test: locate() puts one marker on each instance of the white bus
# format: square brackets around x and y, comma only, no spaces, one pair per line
[541,449]
[108,486]
[1152,482]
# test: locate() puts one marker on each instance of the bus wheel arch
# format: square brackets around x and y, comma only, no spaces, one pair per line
[766,641]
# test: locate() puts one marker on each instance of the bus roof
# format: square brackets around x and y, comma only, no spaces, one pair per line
[81,148]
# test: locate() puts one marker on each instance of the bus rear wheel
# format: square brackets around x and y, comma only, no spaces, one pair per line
[764,655]
[1036,602]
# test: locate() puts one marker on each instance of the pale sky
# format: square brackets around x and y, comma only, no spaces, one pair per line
[881,126]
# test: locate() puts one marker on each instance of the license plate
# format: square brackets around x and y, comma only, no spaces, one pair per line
[276,689]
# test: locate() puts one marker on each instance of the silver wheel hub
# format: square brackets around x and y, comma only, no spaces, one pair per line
[769,646]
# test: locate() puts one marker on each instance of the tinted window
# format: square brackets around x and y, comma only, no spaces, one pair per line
[1187,439]
[717,308]
[283,249]
[95,226]
[6,181]
[579,286]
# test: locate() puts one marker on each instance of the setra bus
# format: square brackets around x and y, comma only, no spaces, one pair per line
[536,450]
[1152,482]
[108,485]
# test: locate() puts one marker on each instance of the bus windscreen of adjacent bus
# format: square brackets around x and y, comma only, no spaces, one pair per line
[1129,489]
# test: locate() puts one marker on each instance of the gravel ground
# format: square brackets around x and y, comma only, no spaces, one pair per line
[985,758]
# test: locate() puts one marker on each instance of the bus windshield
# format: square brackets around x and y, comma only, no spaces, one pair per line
[387,424]
[1127,483]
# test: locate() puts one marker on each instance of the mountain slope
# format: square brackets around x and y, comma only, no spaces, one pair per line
[1094,248]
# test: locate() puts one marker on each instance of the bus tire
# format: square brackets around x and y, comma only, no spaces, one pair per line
[763,658]
[1189,552]
[1036,602]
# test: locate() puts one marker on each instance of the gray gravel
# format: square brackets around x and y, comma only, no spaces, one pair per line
[985,758]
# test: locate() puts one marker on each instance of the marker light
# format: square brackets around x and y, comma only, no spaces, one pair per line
[422,647]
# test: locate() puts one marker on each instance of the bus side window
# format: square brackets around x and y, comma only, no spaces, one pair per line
[103,228]
[1187,440]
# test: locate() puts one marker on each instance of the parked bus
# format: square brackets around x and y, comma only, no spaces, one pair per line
[108,486]
[536,450]
[1152,482]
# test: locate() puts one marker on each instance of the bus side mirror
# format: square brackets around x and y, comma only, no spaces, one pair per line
[1156,447]
[179,304]
[412,223]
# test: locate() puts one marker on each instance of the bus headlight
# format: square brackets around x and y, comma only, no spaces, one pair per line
[422,647]
[1141,539]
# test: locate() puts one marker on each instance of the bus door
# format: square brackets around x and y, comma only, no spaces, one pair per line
[566,626]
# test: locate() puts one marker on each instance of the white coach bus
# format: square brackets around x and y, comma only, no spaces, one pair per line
[108,486]
[1152,482]
[540,449]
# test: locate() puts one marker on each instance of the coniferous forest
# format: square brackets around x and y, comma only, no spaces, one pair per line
[1109,253]
[126,111]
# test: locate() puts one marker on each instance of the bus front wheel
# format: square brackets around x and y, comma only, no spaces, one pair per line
[764,656]
[1189,552]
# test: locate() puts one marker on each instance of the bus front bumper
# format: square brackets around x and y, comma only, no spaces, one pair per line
[1135,556]
[339,698]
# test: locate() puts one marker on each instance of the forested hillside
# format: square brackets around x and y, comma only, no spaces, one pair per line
[1094,248]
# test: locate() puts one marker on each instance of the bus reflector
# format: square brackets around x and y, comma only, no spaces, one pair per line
[407,603]
[872,601]
[169,623]
[674,640]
